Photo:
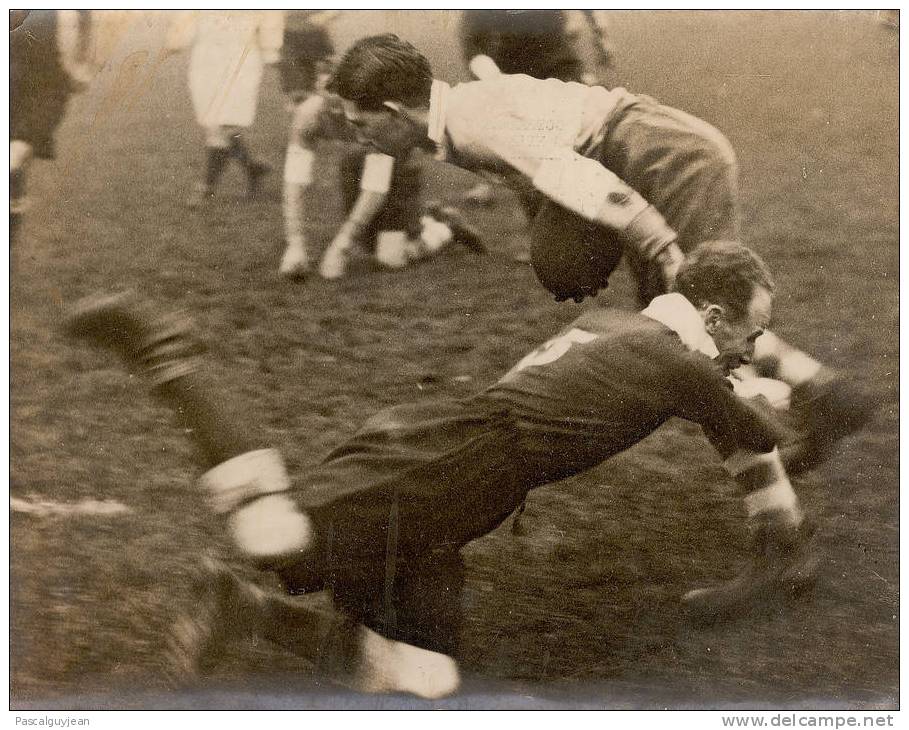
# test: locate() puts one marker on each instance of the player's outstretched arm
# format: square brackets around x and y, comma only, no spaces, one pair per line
[375,182]
[595,193]
[783,557]
[298,166]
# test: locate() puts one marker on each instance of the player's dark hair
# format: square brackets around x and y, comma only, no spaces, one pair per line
[383,68]
[725,273]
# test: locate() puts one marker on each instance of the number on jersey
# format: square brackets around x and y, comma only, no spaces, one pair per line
[552,350]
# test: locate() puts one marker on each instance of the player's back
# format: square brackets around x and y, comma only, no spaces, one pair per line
[487,121]
[605,382]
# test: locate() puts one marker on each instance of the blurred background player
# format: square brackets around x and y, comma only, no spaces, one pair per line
[380,193]
[307,47]
[382,520]
[571,45]
[49,60]
[229,52]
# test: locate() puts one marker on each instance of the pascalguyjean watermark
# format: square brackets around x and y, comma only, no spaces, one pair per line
[48,721]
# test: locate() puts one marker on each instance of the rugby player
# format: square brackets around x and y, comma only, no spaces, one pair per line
[606,172]
[229,52]
[380,193]
[571,45]
[381,521]
[49,61]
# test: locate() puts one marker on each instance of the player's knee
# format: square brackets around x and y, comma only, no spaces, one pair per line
[264,522]
[271,531]
[434,235]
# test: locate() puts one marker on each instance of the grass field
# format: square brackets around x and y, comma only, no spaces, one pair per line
[583,609]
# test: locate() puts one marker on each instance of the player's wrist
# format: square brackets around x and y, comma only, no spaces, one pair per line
[649,233]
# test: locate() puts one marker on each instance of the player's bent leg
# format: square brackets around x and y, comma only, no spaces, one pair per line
[255,169]
[229,608]
[444,224]
[217,151]
[784,557]
[247,483]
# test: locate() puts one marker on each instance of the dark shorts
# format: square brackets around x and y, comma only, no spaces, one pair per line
[416,478]
[680,164]
[395,504]
[39,86]
[402,206]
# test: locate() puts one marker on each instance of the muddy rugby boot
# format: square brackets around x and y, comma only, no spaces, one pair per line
[161,347]
[783,565]
[227,608]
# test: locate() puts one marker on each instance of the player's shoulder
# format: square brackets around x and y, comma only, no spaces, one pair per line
[632,334]
[498,86]
[612,321]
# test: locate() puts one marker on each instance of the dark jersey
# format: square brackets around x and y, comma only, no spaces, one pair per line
[611,378]
[444,473]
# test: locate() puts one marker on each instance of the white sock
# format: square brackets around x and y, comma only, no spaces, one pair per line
[393,666]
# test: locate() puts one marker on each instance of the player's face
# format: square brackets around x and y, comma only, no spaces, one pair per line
[735,337]
[386,130]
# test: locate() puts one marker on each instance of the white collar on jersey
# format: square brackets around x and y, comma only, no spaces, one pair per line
[438,107]
[681,316]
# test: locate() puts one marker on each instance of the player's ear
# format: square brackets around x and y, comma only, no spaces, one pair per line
[713,314]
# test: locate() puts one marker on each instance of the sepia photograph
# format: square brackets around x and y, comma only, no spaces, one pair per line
[460,359]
